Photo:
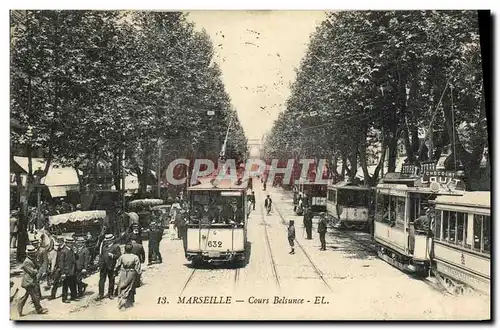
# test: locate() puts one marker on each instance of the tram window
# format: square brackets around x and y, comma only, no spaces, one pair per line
[461,225]
[486,234]
[400,211]
[437,228]
[383,208]
[446,228]
[332,196]
[452,238]
[349,197]
[478,224]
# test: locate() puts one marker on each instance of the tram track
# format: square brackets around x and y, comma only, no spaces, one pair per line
[268,244]
[313,264]
[236,277]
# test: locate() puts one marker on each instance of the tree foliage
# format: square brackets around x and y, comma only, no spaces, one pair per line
[371,81]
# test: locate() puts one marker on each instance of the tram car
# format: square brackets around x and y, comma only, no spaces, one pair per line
[462,241]
[217,226]
[350,206]
[400,200]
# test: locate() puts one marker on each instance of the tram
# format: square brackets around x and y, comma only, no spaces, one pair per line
[400,200]
[217,226]
[462,242]
[349,205]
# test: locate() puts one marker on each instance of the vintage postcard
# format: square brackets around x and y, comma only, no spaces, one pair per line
[249,165]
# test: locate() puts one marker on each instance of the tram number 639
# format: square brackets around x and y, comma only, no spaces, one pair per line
[214,244]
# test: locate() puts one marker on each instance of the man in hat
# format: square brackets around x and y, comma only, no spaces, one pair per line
[291,236]
[30,282]
[252,200]
[423,221]
[136,233]
[110,252]
[268,204]
[67,265]
[322,228]
[308,222]
[138,250]
[41,262]
[82,265]
[180,219]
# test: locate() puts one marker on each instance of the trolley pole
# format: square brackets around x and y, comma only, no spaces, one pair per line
[123,181]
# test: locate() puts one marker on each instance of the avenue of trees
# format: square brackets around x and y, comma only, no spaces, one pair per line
[91,86]
[373,82]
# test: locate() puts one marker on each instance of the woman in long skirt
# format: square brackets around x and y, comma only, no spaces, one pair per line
[129,267]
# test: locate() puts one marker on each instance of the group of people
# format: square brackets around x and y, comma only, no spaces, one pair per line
[322,229]
[69,269]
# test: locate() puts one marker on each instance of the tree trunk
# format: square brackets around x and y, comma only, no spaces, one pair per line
[116,169]
[143,179]
[393,154]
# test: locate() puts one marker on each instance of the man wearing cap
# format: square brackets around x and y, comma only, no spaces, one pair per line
[235,214]
[322,227]
[29,283]
[67,265]
[268,204]
[110,252]
[135,233]
[82,265]
[138,250]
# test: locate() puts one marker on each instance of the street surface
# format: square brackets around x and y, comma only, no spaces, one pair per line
[355,284]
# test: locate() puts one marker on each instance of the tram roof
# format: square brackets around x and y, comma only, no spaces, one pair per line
[224,184]
[481,199]
[348,185]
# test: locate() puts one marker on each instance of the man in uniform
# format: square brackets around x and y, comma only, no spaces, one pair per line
[82,265]
[322,227]
[67,265]
[308,222]
[110,252]
[30,282]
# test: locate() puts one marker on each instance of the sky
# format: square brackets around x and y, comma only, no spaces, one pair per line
[258,52]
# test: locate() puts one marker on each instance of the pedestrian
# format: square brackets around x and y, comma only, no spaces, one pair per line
[41,262]
[29,282]
[181,223]
[265,184]
[14,228]
[67,265]
[136,233]
[82,265]
[56,271]
[129,267]
[138,250]
[109,253]
[154,254]
[322,231]
[291,236]
[268,203]
[252,199]
[308,222]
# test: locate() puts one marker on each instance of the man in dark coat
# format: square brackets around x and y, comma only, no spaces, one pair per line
[322,227]
[308,222]
[56,272]
[67,265]
[29,283]
[109,253]
[138,250]
[82,265]
[291,236]
[234,214]
[154,244]
[252,200]
[268,203]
